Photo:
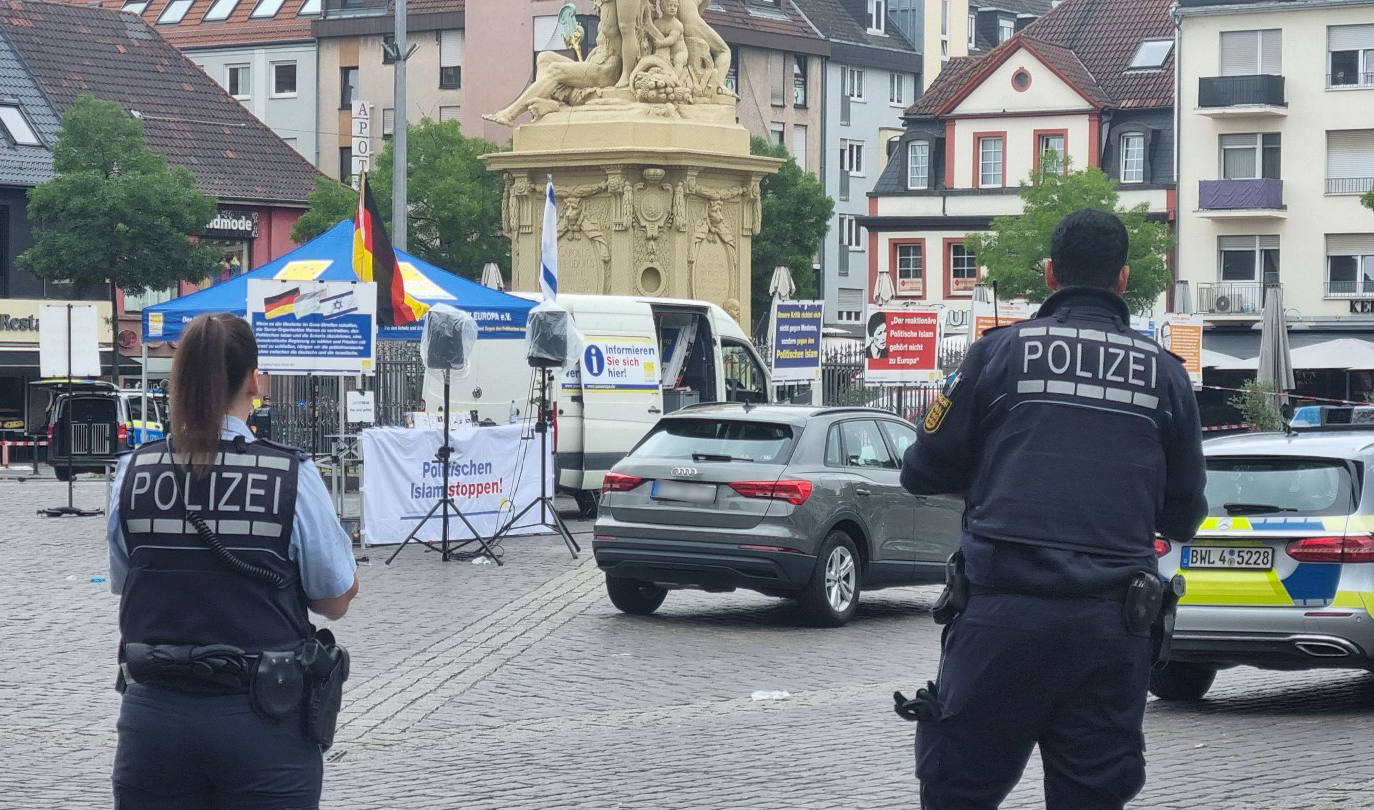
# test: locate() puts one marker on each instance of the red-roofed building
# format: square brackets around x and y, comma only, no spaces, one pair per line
[261,51]
[1092,80]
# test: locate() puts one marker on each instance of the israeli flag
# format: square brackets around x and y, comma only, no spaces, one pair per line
[548,247]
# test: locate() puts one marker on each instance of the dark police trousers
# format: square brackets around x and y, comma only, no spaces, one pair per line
[184,751]
[1017,670]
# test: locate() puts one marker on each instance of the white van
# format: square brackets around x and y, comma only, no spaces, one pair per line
[643,358]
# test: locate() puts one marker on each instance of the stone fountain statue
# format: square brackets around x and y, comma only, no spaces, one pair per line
[657,191]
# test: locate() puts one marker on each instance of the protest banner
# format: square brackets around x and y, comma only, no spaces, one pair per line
[314,326]
[797,341]
[902,345]
[493,475]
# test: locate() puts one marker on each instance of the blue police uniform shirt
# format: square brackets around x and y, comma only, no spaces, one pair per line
[1074,440]
[319,545]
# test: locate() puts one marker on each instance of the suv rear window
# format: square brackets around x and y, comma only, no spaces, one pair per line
[1280,486]
[92,409]
[764,442]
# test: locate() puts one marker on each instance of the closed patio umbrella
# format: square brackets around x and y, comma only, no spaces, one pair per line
[1275,359]
[491,277]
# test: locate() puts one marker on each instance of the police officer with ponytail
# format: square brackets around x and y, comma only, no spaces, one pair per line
[220,546]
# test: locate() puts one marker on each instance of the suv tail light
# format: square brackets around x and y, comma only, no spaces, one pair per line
[123,434]
[1162,546]
[794,492]
[620,482]
[1355,548]
[52,433]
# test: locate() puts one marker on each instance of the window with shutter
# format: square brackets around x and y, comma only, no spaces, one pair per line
[1351,55]
[1349,264]
[450,59]
[1350,161]
[777,79]
[1247,53]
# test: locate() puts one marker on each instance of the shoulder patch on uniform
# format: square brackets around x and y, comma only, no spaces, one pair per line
[935,417]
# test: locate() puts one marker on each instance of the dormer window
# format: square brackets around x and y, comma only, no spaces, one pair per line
[877,16]
[17,125]
[1151,54]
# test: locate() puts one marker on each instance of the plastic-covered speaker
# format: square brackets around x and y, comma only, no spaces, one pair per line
[449,337]
[546,337]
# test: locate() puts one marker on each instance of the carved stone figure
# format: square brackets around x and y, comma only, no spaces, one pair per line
[518,205]
[660,53]
[574,221]
[713,227]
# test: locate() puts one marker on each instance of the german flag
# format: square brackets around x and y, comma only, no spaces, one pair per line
[279,306]
[375,260]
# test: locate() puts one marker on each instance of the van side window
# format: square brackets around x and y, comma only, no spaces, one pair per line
[745,380]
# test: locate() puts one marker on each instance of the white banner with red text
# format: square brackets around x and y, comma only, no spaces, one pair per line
[493,476]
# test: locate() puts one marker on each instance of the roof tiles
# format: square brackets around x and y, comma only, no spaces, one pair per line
[187,116]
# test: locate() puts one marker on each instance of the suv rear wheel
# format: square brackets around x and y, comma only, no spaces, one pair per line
[633,596]
[832,595]
[1180,680]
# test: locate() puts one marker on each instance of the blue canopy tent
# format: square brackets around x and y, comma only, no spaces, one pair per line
[329,257]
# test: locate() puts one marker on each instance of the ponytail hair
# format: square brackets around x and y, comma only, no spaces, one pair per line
[216,354]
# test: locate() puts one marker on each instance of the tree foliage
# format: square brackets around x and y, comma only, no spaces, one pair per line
[116,213]
[454,218]
[1259,406]
[796,215]
[1017,246]
[1368,200]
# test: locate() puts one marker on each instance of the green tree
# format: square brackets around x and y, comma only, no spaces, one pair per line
[796,215]
[1368,200]
[115,213]
[455,203]
[1015,250]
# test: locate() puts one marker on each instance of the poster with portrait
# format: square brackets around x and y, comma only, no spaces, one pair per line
[1182,335]
[901,345]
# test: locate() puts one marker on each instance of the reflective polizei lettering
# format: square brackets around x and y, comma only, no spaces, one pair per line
[1090,365]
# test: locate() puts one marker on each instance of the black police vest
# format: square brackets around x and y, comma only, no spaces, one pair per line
[1074,450]
[177,591]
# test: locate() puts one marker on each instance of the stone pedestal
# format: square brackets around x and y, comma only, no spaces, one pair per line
[647,205]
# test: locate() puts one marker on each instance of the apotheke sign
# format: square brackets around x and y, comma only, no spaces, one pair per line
[232,224]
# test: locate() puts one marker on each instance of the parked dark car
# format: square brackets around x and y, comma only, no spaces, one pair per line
[790,501]
[90,422]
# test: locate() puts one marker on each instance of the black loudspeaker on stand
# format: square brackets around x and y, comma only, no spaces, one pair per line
[548,515]
[445,505]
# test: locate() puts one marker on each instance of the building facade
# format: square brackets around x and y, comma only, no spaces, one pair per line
[1276,134]
[260,182]
[1088,81]
[260,51]
[872,74]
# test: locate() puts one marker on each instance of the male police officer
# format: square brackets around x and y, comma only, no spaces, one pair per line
[1074,440]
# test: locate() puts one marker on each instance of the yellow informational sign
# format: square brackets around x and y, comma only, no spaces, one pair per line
[19,319]
[419,286]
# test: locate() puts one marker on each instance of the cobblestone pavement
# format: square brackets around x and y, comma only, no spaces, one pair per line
[521,687]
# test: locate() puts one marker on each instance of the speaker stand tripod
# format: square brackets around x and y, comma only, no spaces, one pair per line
[548,515]
[445,505]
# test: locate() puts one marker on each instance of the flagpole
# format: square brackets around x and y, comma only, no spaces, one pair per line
[399,162]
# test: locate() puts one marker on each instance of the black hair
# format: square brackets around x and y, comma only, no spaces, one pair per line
[1089,249]
[875,320]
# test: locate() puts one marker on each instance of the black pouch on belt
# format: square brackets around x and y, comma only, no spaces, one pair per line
[276,684]
[953,599]
[1144,596]
[326,669]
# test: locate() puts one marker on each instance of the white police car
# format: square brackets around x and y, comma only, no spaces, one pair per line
[1281,573]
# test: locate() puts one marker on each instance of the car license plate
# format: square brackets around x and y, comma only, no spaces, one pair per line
[679,491]
[1260,558]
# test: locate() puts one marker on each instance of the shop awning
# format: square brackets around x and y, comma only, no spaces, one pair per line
[1310,351]
[24,359]
[329,257]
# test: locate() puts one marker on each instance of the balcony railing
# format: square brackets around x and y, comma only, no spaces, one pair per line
[1352,78]
[1232,195]
[1231,298]
[1349,185]
[1235,91]
[1350,289]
